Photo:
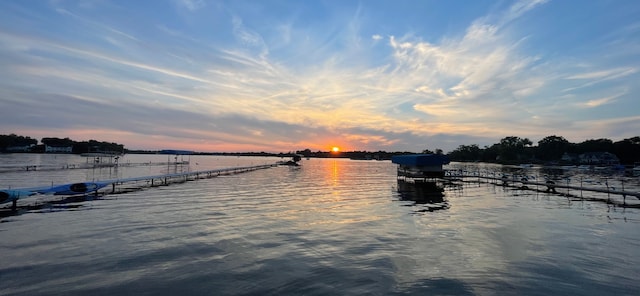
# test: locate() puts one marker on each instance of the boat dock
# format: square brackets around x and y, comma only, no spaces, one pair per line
[72,191]
[88,165]
[428,168]
[125,184]
[607,193]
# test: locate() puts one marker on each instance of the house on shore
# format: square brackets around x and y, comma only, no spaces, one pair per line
[20,148]
[58,148]
[599,158]
[591,158]
[570,157]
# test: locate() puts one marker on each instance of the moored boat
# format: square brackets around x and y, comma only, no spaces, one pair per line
[73,188]
[9,195]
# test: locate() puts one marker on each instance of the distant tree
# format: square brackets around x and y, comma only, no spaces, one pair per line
[57,141]
[97,146]
[597,145]
[305,152]
[466,153]
[628,150]
[427,151]
[552,148]
[15,140]
[491,153]
[513,148]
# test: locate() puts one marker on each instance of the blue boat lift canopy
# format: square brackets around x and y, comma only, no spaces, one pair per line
[420,165]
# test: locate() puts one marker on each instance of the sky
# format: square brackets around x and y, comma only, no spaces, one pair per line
[279,76]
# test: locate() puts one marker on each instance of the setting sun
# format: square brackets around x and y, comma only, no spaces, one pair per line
[335,149]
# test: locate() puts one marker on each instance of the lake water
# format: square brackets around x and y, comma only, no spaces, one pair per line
[330,227]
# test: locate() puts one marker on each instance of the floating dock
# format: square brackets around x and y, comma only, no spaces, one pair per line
[166,179]
[87,165]
[113,186]
[607,193]
[418,169]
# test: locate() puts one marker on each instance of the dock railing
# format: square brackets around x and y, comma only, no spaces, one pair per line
[548,186]
[45,194]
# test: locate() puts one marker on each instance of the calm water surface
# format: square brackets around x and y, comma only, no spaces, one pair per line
[331,227]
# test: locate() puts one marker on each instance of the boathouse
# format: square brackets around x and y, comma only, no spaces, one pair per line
[420,165]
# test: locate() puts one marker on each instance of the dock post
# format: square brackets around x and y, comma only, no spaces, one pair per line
[550,187]
[624,196]
[580,186]
[14,205]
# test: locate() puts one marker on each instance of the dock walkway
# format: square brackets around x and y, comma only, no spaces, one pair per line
[166,179]
[75,166]
[71,191]
[568,190]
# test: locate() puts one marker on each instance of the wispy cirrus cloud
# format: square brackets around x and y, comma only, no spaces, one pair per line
[247,37]
[517,9]
[610,74]
[600,101]
[617,128]
[191,5]
[479,75]
[600,76]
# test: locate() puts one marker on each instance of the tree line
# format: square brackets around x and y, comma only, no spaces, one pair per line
[511,149]
[550,149]
[17,143]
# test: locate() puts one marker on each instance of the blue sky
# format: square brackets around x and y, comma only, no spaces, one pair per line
[288,75]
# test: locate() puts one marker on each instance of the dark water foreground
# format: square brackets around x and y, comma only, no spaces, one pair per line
[332,227]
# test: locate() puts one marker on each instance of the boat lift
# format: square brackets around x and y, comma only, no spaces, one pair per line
[420,166]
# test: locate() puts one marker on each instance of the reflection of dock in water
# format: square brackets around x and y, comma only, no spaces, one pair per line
[429,194]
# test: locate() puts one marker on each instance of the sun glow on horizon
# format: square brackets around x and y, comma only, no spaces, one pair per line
[335,149]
